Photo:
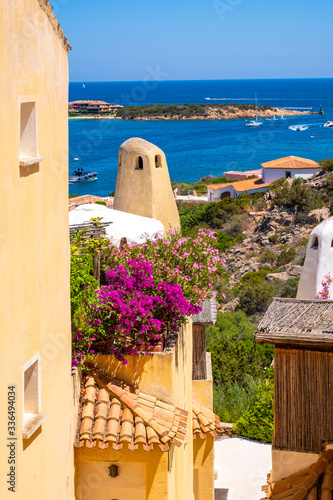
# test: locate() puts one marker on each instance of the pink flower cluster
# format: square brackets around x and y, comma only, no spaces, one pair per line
[150,290]
[326,283]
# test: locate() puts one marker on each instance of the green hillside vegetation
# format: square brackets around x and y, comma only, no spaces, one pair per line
[243,379]
[179,110]
[239,365]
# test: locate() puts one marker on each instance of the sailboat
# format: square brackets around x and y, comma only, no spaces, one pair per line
[256,122]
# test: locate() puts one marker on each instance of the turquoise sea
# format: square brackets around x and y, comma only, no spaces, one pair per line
[197,148]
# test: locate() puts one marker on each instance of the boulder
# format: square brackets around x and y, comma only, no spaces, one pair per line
[273,278]
[318,215]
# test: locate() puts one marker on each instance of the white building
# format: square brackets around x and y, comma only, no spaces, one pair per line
[318,262]
[233,189]
[288,167]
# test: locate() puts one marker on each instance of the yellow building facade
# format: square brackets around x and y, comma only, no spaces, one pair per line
[146,431]
[36,416]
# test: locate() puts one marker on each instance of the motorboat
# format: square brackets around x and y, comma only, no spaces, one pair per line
[256,122]
[80,175]
[328,124]
[298,128]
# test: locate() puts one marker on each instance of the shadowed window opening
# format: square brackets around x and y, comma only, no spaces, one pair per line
[28,133]
[139,163]
[158,161]
[315,242]
[119,160]
[288,175]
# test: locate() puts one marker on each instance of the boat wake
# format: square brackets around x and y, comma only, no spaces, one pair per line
[298,128]
[289,107]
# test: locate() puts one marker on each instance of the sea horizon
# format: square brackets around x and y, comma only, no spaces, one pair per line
[197,148]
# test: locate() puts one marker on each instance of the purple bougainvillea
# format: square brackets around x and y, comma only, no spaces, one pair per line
[150,290]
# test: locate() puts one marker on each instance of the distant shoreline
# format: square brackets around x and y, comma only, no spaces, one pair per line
[193,112]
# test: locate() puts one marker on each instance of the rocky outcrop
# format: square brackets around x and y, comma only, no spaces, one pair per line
[317,216]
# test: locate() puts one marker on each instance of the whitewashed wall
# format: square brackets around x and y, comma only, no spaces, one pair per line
[273,174]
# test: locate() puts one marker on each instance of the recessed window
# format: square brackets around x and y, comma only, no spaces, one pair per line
[32,416]
[331,243]
[119,160]
[28,135]
[28,152]
[139,163]
[288,175]
[315,242]
[158,161]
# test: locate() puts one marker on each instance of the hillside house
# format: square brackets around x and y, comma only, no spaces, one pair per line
[216,192]
[92,106]
[289,167]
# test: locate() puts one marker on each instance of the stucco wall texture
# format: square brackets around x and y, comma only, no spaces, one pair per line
[34,285]
[143,184]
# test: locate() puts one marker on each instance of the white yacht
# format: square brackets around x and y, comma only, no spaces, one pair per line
[328,124]
[256,122]
[80,175]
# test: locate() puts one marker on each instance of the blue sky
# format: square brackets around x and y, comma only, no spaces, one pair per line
[197,39]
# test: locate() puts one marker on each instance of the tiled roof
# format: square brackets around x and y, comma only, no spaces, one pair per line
[240,186]
[90,102]
[302,485]
[291,162]
[115,414]
[87,198]
[205,421]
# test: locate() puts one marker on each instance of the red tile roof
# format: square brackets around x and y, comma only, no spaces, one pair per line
[291,162]
[300,485]
[115,414]
[240,186]
[87,198]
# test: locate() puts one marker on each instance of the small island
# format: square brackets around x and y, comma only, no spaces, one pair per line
[229,111]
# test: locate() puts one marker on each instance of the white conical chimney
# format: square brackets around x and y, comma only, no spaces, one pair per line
[318,261]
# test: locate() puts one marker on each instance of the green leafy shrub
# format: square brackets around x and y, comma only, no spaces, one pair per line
[268,256]
[258,421]
[224,242]
[286,256]
[235,356]
[327,165]
[232,402]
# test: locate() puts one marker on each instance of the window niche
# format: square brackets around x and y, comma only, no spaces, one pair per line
[288,174]
[28,152]
[315,243]
[32,416]
[158,161]
[139,163]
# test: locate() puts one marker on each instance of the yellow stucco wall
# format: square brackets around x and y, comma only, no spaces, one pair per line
[286,463]
[34,286]
[168,376]
[145,191]
[203,449]
[203,463]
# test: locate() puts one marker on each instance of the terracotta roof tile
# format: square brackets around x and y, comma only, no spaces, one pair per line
[303,484]
[205,421]
[240,186]
[291,162]
[114,414]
